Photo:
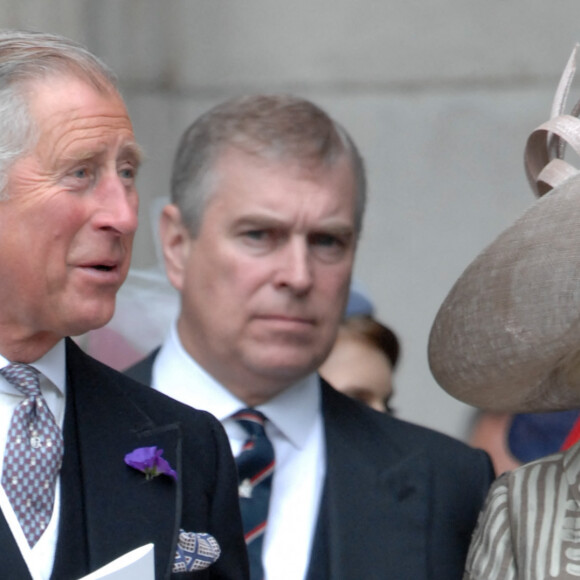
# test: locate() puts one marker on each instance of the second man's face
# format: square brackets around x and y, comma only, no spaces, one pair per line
[265,282]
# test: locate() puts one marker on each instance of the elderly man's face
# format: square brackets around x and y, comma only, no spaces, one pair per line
[265,281]
[67,226]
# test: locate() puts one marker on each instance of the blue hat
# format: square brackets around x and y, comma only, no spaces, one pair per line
[359,303]
[535,435]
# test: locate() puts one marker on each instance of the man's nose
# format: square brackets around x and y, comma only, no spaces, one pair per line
[295,267]
[118,206]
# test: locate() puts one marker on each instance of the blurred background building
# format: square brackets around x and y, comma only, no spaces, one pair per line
[440,96]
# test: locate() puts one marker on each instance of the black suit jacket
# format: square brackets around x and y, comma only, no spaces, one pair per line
[400,501]
[107,416]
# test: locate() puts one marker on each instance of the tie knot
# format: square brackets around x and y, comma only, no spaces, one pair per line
[24,377]
[251,420]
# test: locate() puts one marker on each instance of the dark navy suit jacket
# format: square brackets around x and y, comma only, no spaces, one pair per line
[108,508]
[400,501]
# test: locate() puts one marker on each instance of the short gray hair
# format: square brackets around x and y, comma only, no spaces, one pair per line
[26,57]
[271,127]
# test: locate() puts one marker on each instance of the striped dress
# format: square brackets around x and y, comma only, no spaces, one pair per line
[529,528]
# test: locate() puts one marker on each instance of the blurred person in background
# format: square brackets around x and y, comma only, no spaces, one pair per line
[364,356]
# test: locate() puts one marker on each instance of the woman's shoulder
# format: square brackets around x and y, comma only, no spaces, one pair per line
[554,467]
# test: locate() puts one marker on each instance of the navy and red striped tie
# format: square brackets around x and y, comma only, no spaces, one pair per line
[255,469]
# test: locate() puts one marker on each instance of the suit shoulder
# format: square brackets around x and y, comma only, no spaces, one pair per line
[433,441]
[152,402]
[402,437]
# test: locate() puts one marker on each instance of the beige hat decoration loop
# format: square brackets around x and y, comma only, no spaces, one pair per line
[543,157]
[507,336]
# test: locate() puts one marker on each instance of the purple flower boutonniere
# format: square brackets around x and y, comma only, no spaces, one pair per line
[149,461]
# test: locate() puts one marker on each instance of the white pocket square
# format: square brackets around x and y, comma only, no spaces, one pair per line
[195,551]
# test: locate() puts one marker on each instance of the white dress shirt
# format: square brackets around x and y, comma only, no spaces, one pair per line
[296,430]
[40,558]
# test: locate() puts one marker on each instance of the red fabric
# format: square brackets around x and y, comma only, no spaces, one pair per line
[572,437]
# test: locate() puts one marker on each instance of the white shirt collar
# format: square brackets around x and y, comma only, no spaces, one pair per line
[293,411]
[52,365]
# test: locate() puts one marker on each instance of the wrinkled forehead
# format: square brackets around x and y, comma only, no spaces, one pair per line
[30,87]
[30,94]
[72,119]
[307,165]
[70,92]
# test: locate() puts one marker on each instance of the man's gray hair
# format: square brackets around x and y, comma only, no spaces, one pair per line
[27,57]
[277,128]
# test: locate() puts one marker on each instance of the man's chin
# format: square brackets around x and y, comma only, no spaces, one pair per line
[90,320]
[292,369]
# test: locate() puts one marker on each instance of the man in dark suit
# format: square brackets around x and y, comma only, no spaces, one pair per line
[268,198]
[68,214]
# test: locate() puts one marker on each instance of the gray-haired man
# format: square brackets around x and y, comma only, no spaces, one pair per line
[71,498]
[268,197]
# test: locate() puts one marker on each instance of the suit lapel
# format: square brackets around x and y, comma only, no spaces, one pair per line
[372,510]
[11,560]
[122,510]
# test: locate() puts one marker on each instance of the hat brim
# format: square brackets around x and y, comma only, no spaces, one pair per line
[507,337]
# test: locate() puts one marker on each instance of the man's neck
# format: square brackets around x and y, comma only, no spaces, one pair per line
[26,350]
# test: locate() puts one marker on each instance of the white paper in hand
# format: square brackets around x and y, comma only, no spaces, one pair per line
[139,564]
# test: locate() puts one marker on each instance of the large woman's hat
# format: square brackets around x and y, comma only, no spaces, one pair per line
[507,337]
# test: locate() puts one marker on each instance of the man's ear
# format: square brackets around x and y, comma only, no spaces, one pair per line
[175,242]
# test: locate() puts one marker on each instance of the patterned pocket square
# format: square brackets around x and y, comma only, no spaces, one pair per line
[195,552]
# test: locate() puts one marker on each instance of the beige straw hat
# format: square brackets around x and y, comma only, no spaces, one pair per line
[507,337]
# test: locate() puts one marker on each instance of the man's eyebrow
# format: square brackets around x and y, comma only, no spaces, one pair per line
[338,229]
[133,152]
[261,220]
[129,151]
[346,232]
